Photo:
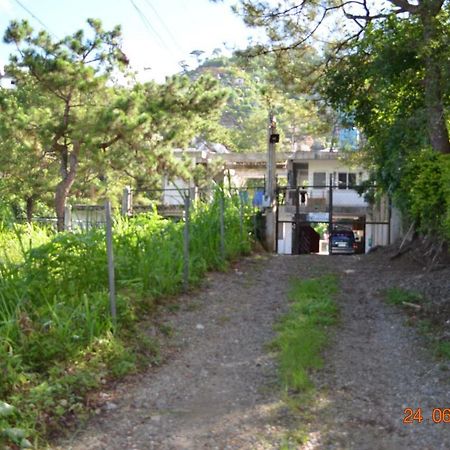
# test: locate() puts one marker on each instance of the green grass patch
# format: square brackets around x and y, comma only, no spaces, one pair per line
[302,333]
[443,349]
[398,296]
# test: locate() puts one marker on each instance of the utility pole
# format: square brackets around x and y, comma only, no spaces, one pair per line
[273,138]
[330,215]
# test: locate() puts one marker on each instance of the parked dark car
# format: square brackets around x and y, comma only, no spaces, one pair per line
[343,242]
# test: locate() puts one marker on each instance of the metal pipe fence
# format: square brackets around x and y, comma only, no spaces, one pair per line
[228,205]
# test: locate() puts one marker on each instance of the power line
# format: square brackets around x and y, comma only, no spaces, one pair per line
[149,26]
[34,17]
[170,34]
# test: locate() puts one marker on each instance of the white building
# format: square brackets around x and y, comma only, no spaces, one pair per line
[321,190]
[306,176]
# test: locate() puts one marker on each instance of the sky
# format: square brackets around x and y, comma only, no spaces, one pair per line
[157,34]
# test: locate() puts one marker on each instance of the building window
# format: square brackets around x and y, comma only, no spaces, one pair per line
[280,231]
[351,180]
[319,179]
[301,174]
[346,180]
[342,180]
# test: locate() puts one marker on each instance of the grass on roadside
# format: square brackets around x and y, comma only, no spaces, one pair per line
[418,308]
[398,296]
[301,337]
[58,344]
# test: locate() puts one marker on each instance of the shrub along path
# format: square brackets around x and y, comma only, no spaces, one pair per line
[218,387]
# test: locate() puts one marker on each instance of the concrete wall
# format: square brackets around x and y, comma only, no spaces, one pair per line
[396,224]
[174,192]
[240,174]
[285,244]
[85,217]
[348,197]
[377,234]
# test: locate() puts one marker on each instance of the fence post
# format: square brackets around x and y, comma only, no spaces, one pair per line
[110,254]
[187,203]
[126,201]
[68,217]
[255,237]
[330,216]
[241,220]
[222,225]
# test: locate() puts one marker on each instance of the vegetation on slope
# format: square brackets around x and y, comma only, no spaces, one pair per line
[57,340]
[256,87]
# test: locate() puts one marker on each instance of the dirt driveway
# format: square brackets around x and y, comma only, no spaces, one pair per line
[218,388]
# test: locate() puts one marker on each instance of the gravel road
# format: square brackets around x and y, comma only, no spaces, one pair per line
[218,388]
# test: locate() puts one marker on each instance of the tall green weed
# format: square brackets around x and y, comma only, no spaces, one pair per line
[17,239]
[56,335]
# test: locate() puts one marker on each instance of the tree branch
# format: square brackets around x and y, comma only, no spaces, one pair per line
[105,145]
[366,18]
[405,6]
[286,12]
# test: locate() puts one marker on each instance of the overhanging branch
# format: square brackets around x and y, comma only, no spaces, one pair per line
[405,6]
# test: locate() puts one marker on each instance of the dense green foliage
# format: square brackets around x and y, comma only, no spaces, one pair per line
[424,192]
[386,68]
[380,84]
[69,128]
[57,340]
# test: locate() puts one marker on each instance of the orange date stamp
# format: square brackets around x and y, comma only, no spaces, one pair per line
[437,415]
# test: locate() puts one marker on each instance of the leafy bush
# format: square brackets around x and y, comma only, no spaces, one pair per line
[424,192]
[17,239]
[8,434]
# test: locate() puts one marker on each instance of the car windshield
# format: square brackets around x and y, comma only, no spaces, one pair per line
[343,237]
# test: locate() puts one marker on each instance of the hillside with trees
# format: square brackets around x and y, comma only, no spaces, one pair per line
[255,87]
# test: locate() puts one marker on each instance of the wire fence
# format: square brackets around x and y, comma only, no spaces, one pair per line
[209,227]
[169,203]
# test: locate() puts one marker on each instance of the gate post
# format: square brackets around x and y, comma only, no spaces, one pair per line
[127,201]
[330,214]
[241,221]
[222,225]
[277,217]
[296,225]
[110,257]
[187,203]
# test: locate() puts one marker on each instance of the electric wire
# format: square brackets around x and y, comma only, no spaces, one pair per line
[166,28]
[34,17]
[150,27]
